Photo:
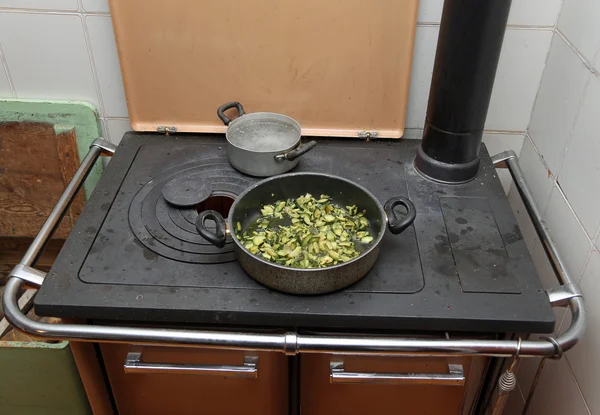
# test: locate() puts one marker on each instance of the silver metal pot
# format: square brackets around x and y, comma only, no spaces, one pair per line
[262,144]
[246,209]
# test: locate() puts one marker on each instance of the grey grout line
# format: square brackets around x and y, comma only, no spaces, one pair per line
[597,239]
[82,10]
[58,11]
[544,208]
[491,131]
[529,27]
[110,117]
[106,130]
[586,62]
[520,392]
[4,65]
[574,123]
[90,51]
[554,29]
[572,372]
[537,93]
[86,39]
[588,257]
[564,196]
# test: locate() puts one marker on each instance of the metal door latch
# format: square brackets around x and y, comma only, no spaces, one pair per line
[166,130]
[368,135]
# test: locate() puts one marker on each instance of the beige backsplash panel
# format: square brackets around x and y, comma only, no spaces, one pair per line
[337,66]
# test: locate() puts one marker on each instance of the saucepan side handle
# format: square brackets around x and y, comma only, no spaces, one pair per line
[395,224]
[217,237]
[297,152]
[228,105]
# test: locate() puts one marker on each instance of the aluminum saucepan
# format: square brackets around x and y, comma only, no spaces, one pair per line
[262,144]
[246,209]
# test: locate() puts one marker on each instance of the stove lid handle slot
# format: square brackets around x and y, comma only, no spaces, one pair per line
[395,224]
[218,237]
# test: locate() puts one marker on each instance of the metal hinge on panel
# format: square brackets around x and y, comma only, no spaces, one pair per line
[166,129]
[368,135]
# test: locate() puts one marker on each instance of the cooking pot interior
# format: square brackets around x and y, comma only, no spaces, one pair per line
[343,193]
[264,132]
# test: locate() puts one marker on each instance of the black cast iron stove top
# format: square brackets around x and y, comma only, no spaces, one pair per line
[135,256]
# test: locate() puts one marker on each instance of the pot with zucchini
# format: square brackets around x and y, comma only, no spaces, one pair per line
[306,233]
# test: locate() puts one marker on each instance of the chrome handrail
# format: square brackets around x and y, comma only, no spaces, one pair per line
[293,342]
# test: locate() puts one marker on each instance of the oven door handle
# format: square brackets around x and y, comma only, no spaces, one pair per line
[134,365]
[454,377]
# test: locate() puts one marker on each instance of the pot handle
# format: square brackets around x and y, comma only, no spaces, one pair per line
[396,225]
[221,111]
[219,236]
[297,152]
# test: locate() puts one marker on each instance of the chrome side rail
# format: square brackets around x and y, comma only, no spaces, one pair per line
[292,342]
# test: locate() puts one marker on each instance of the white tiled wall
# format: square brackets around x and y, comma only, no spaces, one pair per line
[561,162]
[65,49]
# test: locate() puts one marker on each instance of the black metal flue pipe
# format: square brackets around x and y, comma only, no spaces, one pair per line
[468,50]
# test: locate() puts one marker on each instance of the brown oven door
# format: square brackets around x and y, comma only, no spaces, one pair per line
[345,384]
[170,380]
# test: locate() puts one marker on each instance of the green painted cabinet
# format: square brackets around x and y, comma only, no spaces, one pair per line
[40,378]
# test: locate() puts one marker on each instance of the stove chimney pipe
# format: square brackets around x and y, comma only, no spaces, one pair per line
[469,44]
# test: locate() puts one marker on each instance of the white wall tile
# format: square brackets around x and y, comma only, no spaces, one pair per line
[95,5]
[557,102]
[497,143]
[41,4]
[585,356]
[534,12]
[522,12]
[430,11]
[536,174]
[557,392]
[518,208]
[413,133]
[518,77]
[571,240]
[47,56]
[580,174]
[420,78]
[543,266]
[5,91]
[117,128]
[106,61]
[580,22]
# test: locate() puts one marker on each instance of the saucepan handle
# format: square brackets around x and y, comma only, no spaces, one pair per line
[395,224]
[221,111]
[297,152]
[219,235]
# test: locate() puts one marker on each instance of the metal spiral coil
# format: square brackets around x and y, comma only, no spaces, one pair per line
[507,382]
